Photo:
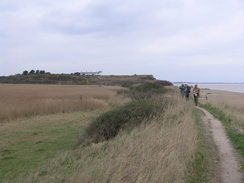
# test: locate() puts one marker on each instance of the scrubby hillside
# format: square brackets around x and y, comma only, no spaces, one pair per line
[70,79]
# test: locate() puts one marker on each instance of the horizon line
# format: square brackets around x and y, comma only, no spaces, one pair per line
[208,82]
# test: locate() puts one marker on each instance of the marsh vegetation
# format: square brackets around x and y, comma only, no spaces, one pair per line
[151,138]
[30,100]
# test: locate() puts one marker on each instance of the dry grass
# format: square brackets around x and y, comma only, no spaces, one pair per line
[236,114]
[161,151]
[231,103]
[28,100]
[228,107]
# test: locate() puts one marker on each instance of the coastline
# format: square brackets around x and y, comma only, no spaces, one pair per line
[234,99]
[225,87]
[232,87]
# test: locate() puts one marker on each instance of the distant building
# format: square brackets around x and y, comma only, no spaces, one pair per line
[91,73]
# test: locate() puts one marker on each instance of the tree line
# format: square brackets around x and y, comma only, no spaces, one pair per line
[34,72]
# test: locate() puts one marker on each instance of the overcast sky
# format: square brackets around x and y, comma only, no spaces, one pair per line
[176,40]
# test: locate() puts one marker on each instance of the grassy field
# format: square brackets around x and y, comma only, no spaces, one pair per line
[29,100]
[159,138]
[28,143]
[33,133]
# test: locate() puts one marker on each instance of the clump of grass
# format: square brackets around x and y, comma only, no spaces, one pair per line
[109,124]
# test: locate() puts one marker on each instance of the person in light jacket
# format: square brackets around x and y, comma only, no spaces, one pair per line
[196,94]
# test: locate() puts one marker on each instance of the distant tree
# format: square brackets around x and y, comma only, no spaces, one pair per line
[32,72]
[25,73]
[37,72]
[77,73]
[42,72]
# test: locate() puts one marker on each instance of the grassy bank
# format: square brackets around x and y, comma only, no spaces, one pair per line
[204,165]
[157,137]
[152,152]
[163,148]
[233,120]
[126,117]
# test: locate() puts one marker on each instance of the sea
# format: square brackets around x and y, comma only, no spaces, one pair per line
[227,87]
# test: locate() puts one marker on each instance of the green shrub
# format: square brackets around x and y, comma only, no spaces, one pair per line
[146,90]
[109,124]
[148,87]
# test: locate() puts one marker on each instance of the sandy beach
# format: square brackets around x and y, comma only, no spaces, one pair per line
[232,99]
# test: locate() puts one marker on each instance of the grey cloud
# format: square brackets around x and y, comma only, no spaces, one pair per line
[98,19]
[160,37]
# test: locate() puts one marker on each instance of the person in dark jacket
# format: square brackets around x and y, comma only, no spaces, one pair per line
[182,90]
[187,91]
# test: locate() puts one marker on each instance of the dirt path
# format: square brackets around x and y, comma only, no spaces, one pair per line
[230,167]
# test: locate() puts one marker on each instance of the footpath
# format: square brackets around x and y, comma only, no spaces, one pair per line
[229,164]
